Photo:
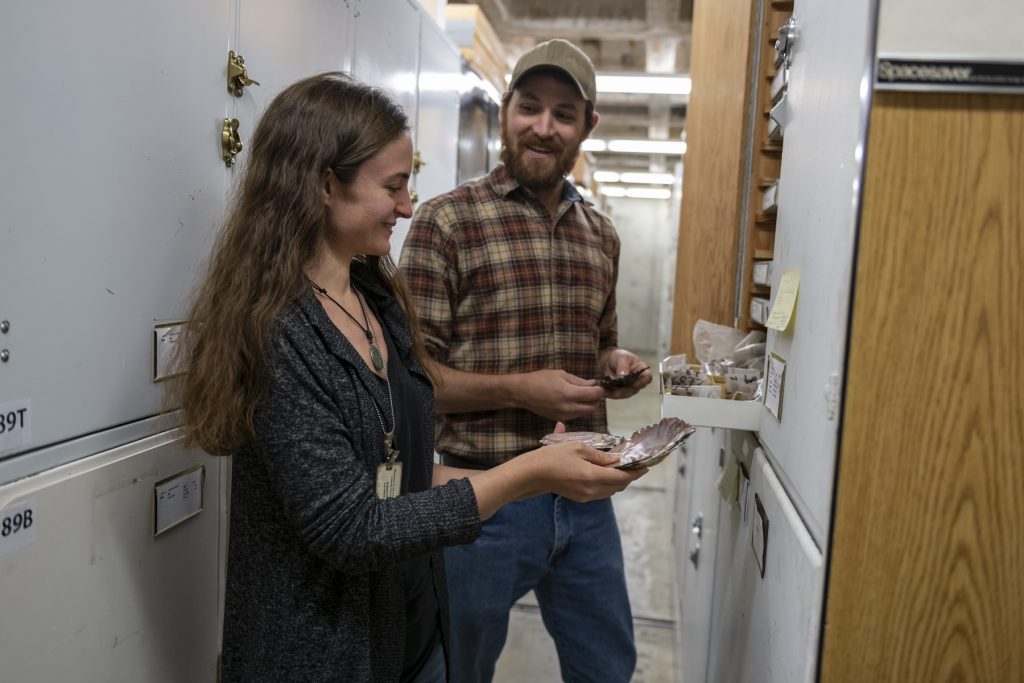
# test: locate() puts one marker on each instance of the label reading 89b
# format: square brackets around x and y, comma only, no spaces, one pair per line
[18,526]
[19,521]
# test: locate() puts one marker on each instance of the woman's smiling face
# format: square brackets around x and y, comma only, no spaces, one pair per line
[362,215]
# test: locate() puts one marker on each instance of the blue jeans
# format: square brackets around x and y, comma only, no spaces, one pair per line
[570,555]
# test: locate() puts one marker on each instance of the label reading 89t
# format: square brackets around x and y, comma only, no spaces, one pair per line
[15,424]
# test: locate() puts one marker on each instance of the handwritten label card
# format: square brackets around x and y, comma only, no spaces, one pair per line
[178,498]
[775,377]
[165,337]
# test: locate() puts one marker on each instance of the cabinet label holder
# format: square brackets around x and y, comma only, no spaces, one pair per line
[177,498]
[948,75]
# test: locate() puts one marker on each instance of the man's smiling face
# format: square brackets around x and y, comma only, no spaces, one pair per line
[542,129]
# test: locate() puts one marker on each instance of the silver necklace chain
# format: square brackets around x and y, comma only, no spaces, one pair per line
[389,436]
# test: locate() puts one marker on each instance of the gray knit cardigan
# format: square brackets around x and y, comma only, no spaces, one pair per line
[314,589]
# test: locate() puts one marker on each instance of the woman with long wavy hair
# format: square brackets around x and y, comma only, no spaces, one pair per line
[304,362]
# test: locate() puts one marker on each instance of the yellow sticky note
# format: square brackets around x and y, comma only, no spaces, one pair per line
[785,301]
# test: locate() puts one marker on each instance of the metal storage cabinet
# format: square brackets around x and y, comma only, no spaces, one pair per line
[765,627]
[110,189]
[91,595]
[682,492]
[386,54]
[815,230]
[437,120]
[283,42]
[386,49]
[695,536]
[928,488]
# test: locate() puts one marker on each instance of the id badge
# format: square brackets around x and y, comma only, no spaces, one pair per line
[389,480]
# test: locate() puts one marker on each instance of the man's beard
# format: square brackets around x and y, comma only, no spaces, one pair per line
[536,174]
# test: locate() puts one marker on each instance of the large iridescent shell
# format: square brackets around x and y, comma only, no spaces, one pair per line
[651,444]
[601,442]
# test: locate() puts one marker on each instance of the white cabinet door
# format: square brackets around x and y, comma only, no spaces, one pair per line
[683,460]
[89,594]
[386,54]
[696,536]
[386,51]
[111,187]
[682,493]
[765,627]
[437,119]
[815,232]
[284,42]
[680,542]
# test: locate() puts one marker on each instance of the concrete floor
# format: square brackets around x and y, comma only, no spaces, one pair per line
[642,511]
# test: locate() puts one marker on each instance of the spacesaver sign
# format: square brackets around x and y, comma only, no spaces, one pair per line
[894,73]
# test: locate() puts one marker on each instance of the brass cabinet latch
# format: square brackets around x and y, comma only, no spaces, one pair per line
[238,77]
[417,162]
[230,142]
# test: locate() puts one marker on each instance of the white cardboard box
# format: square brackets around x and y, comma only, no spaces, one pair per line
[763,273]
[712,412]
[759,307]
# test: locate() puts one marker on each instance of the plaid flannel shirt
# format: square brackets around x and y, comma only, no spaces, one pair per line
[502,287]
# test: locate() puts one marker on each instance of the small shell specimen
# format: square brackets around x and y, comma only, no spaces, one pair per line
[601,442]
[650,445]
[614,382]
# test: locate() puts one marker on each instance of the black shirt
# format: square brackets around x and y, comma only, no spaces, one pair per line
[422,629]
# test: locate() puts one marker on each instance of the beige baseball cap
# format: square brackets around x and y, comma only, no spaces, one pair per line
[560,54]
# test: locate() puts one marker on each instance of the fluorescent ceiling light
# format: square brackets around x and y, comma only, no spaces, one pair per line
[636,178]
[647,178]
[647,146]
[640,83]
[643,84]
[648,192]
[670,147]
[636,192]
[606,176]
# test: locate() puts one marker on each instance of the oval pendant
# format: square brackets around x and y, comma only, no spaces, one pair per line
[378,360]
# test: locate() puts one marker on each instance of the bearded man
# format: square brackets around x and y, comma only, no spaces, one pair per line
[513,277]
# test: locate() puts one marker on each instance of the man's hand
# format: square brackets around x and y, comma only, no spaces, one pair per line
[619,362]
[556,394]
